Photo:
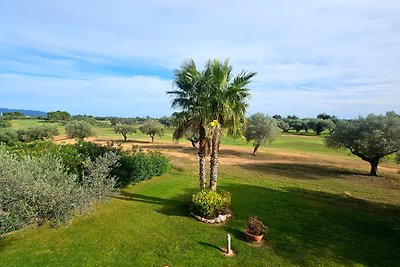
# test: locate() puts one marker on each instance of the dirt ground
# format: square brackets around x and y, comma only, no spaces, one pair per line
[235,155]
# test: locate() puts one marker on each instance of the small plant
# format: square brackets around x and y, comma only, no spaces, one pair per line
[256,227]
[209,204]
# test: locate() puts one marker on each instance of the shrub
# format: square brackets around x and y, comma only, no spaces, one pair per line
[256,226]
[140,167]
[36,189]
[79,129]
[209,204]
[68,154]
[37,133]
[93,150]
[132,166]
[8,136]
[4,124]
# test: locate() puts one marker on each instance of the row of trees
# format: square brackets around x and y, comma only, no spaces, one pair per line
[370,138]
[318,125]
[150,127]
[73,129]
[10,136]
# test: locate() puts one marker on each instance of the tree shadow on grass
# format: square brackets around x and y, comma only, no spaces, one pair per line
[306,227]
[4,242]
[301,171]
[174,206]
[141,198]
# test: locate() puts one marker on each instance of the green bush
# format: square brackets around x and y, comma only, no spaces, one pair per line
[4,124]
[93,150]
[37,189]
[79,129]
[132,166]
[209,204]
[37,133]
[140,166]
[8,136]
[68,154]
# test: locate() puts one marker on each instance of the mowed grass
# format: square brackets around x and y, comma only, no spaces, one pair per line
[320,209]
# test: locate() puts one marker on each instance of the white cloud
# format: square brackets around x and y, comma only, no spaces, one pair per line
[327,52]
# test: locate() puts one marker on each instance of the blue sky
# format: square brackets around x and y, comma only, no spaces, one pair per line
[116,58]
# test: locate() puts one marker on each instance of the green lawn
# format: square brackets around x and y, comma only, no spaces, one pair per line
[318,213]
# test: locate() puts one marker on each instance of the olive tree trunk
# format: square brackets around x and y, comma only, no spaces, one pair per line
[193,143]
[374,167]
[256,146]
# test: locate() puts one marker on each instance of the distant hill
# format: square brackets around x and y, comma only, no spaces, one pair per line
[26,112]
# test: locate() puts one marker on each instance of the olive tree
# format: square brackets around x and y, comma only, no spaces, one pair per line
[283,125]
[152,128]
[125,129]
[260,129]
[370,138]
[37,133]
[79,129]
[320,125]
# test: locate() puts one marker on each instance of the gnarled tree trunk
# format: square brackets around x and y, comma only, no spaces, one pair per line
[374,167]
[202,157]
[372,161]
[193,143]
[214,158]
[256,146]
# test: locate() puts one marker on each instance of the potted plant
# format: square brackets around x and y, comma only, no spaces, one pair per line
[255,229]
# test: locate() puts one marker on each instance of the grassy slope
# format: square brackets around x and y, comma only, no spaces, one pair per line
[312,221]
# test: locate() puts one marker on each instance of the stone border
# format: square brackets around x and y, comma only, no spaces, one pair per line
[220,219]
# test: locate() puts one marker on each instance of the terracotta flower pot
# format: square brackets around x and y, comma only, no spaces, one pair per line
[253,238]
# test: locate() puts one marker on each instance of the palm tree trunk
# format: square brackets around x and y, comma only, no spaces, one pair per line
[214,159]
[202,157]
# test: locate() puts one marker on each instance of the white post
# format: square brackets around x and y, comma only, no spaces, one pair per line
[228,244]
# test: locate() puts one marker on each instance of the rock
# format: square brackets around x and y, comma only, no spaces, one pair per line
[212,221]
[217,220]
[222,218]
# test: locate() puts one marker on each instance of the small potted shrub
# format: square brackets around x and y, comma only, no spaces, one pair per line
[255,229]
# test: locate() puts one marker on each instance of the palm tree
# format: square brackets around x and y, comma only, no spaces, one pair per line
[210,99]
[227,106]
[191,97]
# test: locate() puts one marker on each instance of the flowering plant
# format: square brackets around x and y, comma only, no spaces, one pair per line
[256,226]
